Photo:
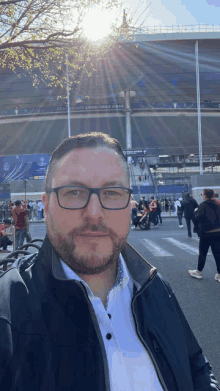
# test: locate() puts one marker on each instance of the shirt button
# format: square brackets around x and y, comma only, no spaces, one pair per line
[109,315]
[108,336]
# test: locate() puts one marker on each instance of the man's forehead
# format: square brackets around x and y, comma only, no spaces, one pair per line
[98,161]
[89,154]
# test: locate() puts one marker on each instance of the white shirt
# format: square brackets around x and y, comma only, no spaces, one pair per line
[130,367]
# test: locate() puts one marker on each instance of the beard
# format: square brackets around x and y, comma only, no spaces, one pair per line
[86,258]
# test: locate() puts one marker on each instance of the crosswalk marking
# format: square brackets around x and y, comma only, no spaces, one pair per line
[189,249]
[156,250]
[197,240]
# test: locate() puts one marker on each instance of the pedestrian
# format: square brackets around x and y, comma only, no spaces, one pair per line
[40,207]
[188,207]
[208,218]
[159,210]
[4,236]
[179,211]
[142,203]
[19,216]
[134,206]
[153,212]
[88,307]
[166,205]
[35,210]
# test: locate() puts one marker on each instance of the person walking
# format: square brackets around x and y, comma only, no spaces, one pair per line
[153,212]
[88,312]
[40,207]
[159,210]
[188,207]
[35,210]
[179,211]
[134,206]
[208,217]
[21,224]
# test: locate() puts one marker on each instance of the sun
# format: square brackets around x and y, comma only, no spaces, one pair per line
[97,24]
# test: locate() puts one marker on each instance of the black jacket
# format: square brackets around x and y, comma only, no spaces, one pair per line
[50,337]
[208,216]
[188,207]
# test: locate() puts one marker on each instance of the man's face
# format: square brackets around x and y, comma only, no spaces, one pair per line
[7,225]
[67,228]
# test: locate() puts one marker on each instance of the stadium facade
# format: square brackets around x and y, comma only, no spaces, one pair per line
[145,94]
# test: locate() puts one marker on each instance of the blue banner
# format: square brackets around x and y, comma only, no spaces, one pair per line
[23,167]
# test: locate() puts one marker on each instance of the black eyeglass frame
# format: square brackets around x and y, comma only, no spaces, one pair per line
[91,191]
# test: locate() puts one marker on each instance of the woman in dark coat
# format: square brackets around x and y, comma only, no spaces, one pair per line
[207,217]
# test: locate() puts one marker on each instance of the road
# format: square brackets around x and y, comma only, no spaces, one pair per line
[173,253]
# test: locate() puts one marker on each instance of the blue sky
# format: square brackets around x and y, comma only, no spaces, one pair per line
[184,12]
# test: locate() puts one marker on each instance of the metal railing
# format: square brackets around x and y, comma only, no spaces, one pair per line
[199,28]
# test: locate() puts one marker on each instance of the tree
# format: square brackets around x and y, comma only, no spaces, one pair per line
[36,36]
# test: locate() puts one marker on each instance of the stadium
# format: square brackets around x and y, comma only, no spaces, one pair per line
[148,94]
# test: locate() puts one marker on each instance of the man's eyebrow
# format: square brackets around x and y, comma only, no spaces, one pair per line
[73,183]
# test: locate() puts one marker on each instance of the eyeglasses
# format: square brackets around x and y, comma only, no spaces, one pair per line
[77,197]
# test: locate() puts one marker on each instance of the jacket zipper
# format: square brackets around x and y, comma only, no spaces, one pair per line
[140,337]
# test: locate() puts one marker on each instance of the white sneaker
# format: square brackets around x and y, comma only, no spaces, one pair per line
[181,226]
[217,277]
[195,273]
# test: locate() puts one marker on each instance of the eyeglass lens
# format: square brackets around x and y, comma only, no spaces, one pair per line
[76,197]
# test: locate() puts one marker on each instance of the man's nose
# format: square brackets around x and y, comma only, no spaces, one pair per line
[94,206]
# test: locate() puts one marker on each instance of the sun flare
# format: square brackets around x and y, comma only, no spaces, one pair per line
[97,23]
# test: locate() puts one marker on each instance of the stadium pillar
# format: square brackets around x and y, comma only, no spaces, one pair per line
[68,96]
[198,107]
[128,122]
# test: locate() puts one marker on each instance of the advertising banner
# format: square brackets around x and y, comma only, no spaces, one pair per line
[23,167]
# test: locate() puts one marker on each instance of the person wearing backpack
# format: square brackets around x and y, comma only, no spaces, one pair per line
[208,219]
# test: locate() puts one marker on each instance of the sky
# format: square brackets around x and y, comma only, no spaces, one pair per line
[179,12]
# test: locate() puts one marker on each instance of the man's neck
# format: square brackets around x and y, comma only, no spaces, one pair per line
[100,284]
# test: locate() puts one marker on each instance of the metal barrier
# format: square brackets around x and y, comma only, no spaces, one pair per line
[11,258]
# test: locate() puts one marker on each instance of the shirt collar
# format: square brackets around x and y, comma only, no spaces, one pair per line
[122,275]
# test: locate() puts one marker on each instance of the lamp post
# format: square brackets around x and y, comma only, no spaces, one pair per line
[198,107]
[68,98]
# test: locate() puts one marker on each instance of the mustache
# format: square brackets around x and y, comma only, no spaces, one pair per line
[89,228]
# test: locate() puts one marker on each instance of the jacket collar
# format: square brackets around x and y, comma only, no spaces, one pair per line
[48,264]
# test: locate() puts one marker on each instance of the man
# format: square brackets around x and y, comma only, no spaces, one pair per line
[188,208]
[153,212]
[40,208]
[35,210]
[159,210]
[134,205]
[4,236]
[142,203]
[88,312]
[21,224]
[179,211]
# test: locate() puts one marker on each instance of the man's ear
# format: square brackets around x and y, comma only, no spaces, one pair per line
[45,200]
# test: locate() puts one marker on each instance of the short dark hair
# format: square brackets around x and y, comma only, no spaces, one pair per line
[209,193]
[7,221]
[88,140]
[152,198]
[17,202]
